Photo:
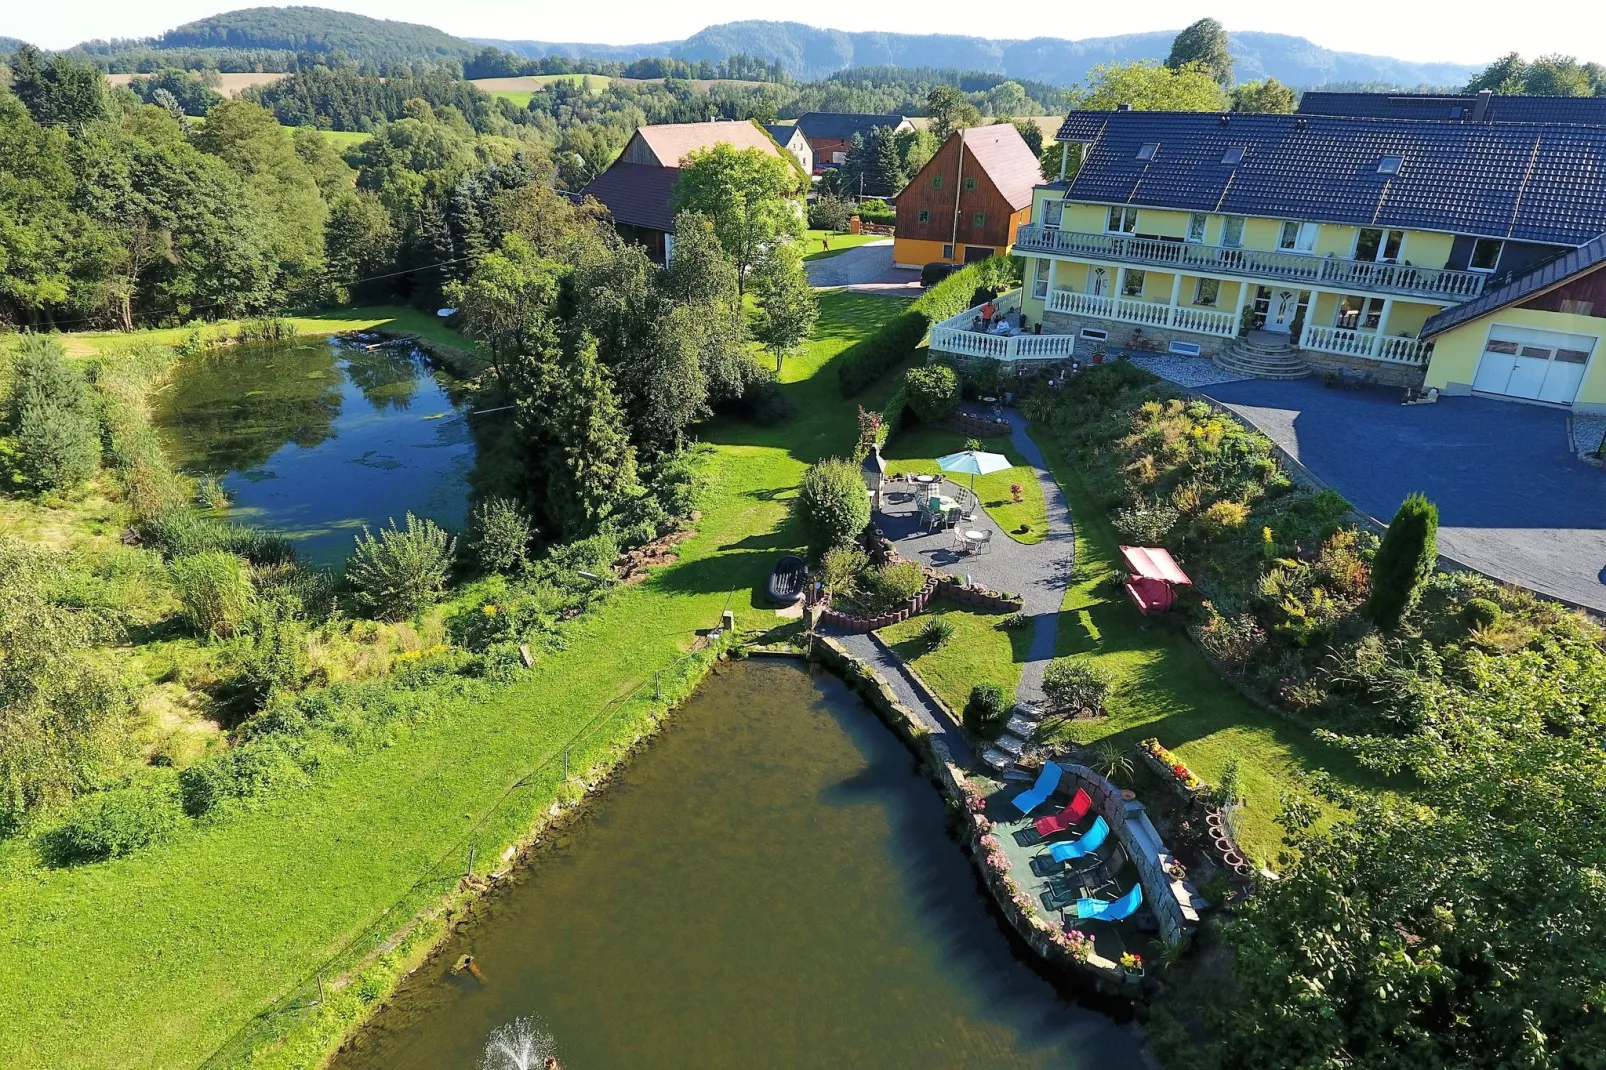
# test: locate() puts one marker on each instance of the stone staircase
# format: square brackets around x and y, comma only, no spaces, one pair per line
[1262,355]
[1006,750]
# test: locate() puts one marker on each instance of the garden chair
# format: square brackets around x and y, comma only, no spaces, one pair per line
[1116,910]
[985,543]
[1089,842]
[953,516]
[1034,796]
[1074,811]
[1101,873]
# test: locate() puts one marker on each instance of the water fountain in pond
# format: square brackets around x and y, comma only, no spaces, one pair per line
[518,1045]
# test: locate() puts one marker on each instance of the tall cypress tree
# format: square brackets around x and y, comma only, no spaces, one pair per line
[1405,560]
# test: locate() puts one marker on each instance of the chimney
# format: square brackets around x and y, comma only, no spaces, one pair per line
[1480,107]
[1123,107]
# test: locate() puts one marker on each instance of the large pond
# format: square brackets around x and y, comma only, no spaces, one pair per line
[770,884]
[319,438]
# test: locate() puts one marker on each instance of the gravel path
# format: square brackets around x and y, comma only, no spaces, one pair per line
[1187,371]
[864,268]
[1038,572]
[876,654]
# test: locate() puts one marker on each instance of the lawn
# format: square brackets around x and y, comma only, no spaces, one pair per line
[155,959]
[982,650]
[916,451]
[1164,687]
[346,138]
[815,244]
[387,317]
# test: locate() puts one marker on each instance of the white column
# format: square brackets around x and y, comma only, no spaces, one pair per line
[1176,295]
[1376,345]
[1053,282]
[1238,313]
[1310,319]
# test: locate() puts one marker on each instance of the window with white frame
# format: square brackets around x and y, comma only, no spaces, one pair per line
[1040,279]
[1053,213]
[1486,254]
[1132,285]
[1122,221]
[1297,237]
[1358,313]
[1232,232]
[1196,227]
[1207,292]
[1379,246]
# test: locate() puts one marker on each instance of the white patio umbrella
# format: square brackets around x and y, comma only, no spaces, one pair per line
[976,462]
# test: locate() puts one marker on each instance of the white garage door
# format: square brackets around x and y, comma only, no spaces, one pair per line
[1536,365]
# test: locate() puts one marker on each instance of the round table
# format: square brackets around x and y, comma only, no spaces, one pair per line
[973,539]
[925,479]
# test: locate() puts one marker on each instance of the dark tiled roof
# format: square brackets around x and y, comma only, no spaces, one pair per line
[838,125]
[1590,111]
[1551,273]
[637,193]
[1007,159]
[1525,181]
[781,132]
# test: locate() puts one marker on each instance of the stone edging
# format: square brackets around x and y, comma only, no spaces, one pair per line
[952,781]
[853,625]
[1221,839]
[980,597]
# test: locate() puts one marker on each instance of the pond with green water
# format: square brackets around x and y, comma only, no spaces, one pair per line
[770,884]
[319,438]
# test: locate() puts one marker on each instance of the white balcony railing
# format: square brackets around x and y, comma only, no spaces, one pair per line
[1327,271]
[956,336]
[1368,344]
[1147,313]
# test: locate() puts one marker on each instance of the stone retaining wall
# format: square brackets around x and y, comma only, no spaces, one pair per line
[847,622]
[1385,373]
[1158,339]
[981,597]
[976,426]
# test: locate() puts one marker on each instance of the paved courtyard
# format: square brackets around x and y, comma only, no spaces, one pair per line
[1513,499]
[865,269]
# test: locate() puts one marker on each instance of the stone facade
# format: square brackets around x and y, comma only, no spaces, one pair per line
[1386,373]
[1154,339]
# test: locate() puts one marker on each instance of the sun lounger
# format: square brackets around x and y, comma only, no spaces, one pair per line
[1074,811]
[1090,841]
[1047,781]
[1117,910]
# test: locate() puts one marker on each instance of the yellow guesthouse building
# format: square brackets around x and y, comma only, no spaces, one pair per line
[1449,242]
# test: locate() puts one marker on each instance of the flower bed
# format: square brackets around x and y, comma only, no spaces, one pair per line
[848,622]
[980,597]
[1183,780]
[1170,766]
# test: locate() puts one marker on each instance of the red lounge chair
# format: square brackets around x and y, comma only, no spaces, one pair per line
[1074,812]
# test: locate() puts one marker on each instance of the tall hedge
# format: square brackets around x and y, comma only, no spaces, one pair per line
[1405,560]
[832,505]
[897,340]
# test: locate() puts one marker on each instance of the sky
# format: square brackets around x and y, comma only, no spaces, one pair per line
[1472,31]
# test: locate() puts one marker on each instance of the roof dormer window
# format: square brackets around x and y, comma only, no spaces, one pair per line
[1390,165]
[1148,150]
[1233,155]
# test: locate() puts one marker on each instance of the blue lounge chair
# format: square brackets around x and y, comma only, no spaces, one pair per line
[1090,841]
[1038,793]
[1100,910]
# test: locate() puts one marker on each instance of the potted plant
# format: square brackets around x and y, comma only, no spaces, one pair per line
[1098,356]
[1133,965]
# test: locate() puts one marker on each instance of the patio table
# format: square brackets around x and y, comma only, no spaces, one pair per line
[973,540]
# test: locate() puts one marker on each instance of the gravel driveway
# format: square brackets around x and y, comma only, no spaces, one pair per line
[1514,501]
[865,269]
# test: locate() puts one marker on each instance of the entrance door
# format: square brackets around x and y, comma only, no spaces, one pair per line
[1098,281]
[1533,365]
[1284,307]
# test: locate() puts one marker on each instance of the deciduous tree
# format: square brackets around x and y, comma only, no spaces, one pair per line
[1150,87]
[950,110]
[787,307]
[752,197]
[1267,96]
[1205,44]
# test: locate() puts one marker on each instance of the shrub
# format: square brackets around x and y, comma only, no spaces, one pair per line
[110,824]
[1409,552]
[830,212]
[259,767]
[402,570]
[1481,613]
[936,632]
[1015,622]
[501,533]
[875,210]
[933,392]
[832,505]
[181,531]
[1069,682]
[1218,518]
[214,588]
[210,494]
[890,586]
[276,661]
[841,569]
[1146,522]
[986,713]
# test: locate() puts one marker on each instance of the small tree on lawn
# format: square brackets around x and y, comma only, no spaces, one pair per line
[1405,560]
[1075,682]
[933,392]
[832,505]
[754,199]
[787,307]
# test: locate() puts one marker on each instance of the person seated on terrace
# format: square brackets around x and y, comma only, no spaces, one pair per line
[977,324]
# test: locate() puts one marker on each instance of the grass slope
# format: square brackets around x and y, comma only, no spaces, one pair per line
[386,317]
[155,959]
[917,451]
[981,651]
[1164,687]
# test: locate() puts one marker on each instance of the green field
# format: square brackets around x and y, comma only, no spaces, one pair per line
[815,243]
[199,934]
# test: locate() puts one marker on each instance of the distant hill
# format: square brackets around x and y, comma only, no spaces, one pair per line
[809,53]
[314,30]
[8,45]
